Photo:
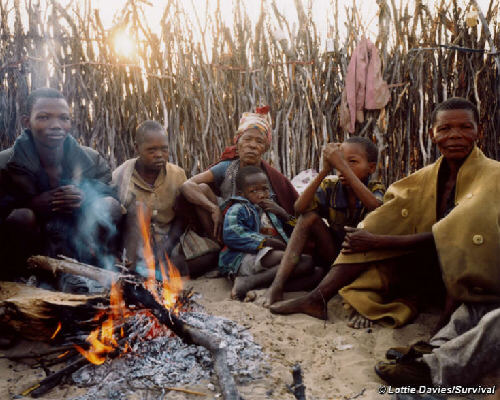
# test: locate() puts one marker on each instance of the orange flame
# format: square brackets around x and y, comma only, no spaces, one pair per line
[102,340]
[63,354]
[149,258]
[59,325]
[172,282]
[172,285]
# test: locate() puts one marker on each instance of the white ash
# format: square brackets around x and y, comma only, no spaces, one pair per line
[168,362]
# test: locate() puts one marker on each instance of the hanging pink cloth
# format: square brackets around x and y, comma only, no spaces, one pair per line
[364,86]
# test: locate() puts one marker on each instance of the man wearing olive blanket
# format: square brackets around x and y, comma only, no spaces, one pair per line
[445,214]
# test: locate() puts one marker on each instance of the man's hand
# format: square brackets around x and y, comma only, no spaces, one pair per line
[270,206]
[276,244]
[66,199]
[62,199]
[332,154]
[359,241]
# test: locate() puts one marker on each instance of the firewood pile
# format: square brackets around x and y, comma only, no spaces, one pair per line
[128,339]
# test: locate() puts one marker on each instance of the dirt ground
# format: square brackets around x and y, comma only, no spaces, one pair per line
[337,361]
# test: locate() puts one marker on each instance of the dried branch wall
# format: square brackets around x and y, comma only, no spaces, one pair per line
[199,90]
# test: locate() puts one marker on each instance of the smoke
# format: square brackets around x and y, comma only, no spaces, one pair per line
[96,230]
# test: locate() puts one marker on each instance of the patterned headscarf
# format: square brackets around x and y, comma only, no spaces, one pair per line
[260,120]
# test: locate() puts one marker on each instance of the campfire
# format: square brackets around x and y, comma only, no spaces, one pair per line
[140,320]
[107,338]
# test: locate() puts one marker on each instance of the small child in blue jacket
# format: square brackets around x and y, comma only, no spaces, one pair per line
[254,237]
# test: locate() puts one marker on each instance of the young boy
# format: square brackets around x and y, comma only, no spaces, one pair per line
[342,201]
[153,183]
[253,235]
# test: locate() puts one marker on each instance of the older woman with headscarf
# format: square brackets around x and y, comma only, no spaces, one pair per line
[252,140]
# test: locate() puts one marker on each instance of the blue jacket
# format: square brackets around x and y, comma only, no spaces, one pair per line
[241,233]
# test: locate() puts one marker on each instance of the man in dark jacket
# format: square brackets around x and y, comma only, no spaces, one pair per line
[55,196]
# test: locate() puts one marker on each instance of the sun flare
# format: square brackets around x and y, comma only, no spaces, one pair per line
[124,45]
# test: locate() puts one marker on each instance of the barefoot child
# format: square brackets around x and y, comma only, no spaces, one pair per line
[253,234]
[342,201]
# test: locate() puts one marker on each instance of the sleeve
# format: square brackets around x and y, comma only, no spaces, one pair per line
[219,172]
[237,233]
[321,199]
[378,190]
[102,170]
[7,200]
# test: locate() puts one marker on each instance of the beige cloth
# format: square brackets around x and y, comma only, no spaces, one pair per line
[158,198]
[467,239]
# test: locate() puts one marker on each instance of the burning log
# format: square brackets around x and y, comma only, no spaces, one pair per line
[34,313]
[136,293]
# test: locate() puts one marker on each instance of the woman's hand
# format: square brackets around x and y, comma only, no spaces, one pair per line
[359,241]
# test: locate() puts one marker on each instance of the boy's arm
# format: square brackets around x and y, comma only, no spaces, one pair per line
[237,234]
[193,193]
[273,207]
[304,201]
[333,154]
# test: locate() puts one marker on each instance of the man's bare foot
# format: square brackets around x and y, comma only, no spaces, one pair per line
[357,321]
[274,294]
[241,286]
[303,305]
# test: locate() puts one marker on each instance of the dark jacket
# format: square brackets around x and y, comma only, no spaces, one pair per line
[23,177]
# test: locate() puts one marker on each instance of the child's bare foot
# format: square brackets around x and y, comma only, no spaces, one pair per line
[304,305]
[242,285]
[250,296]
[274,294]
[357,321]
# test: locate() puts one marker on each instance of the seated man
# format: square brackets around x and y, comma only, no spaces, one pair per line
[443,215]
[342,201]
[149,181]
[465,350]
[55,196]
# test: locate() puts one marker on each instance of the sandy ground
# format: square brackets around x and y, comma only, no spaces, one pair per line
[337,361]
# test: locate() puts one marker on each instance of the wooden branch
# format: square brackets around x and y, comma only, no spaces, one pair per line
[487,32]
[298,389]
[53,380]
[74,267]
